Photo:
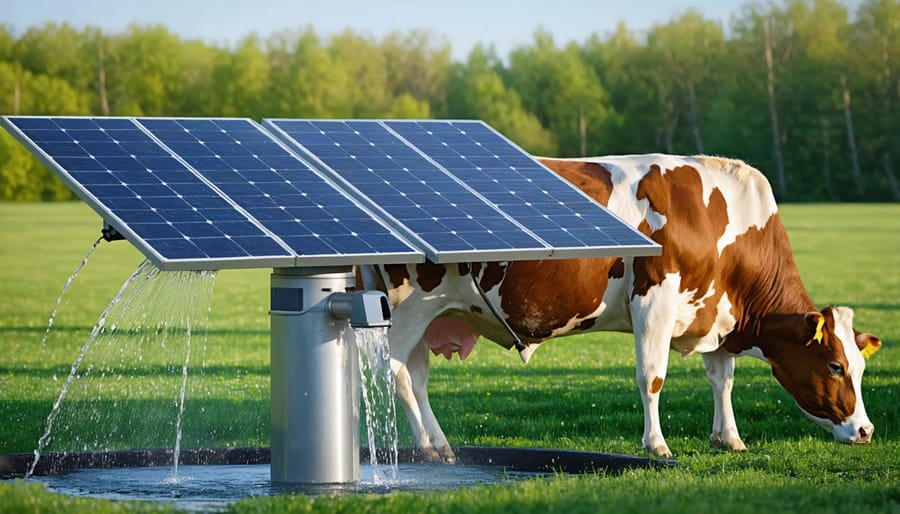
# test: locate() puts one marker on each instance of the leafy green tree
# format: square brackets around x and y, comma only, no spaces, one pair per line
[417,64]
[367,91]
[407,106]
[686,51]
[619,63]
[875,61]
[241,81]
[477,91]
[146,72]
[308,82]
[565,94]
[22,177]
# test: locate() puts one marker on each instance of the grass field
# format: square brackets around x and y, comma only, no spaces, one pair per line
[576,393]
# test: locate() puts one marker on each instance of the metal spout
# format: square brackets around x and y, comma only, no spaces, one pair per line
[110,233]
[364,309]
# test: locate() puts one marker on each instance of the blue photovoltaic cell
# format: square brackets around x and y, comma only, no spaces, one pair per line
[461,186]
[274,187]
[208,193]
[125,172]
[518,185]
[396,177]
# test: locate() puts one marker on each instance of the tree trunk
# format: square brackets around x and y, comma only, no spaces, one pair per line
[694,117]
[851,138]
[889,136]
[773,114]
[17,96]
[892,179]
[582,128]
[17,90]
[826,161]
[668,125]
[101,84]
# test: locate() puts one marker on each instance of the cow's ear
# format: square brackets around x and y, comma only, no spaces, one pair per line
[867,343]
[816,322]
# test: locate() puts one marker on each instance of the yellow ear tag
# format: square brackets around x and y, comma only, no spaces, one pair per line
[870,349]
[819,334]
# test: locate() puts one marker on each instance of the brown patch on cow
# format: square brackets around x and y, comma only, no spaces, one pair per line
[689,237]
[493,274]
[656,385]
[590,177]
[476,309]
[535,308]
[429,275]
[397,274]
[567,289]
[761,277]
[617,270]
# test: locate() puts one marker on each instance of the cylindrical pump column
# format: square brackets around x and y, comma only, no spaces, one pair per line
[314,380]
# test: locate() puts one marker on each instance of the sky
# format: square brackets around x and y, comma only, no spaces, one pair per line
[505,24]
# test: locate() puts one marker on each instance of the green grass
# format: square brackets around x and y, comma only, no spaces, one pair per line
[576,393]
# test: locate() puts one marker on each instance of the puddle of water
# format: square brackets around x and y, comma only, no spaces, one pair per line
[214,487]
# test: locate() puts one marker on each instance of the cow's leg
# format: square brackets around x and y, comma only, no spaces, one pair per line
[418,367]
[720,373]
[404,386]
[653,321]
[404,339]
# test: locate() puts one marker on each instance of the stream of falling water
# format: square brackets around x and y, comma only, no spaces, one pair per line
[66,288]
[377,384]
[133,369]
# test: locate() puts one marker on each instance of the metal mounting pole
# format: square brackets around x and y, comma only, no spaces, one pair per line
[315,380]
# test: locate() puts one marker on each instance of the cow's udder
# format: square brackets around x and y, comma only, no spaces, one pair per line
[444,336]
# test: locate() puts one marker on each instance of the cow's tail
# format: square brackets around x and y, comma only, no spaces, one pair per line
[372,277]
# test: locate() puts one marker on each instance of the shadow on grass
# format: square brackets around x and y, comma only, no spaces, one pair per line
[86,329]
[173,370]
[95,425]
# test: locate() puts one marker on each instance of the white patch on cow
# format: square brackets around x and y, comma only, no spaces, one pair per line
[528,351]
[750,202]
[626,172]
[654,319]
[687,313]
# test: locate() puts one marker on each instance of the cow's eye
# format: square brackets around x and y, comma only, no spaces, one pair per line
[836,368]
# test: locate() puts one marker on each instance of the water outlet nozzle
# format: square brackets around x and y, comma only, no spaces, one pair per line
[364,309]
[110,233]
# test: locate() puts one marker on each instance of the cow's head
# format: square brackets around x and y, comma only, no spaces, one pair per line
[819,359]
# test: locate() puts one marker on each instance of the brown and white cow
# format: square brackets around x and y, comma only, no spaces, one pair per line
[726,284]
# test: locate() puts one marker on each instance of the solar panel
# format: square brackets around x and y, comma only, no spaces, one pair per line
[208,193]
[450,220]
[462,189]
[521,187]
[282,193]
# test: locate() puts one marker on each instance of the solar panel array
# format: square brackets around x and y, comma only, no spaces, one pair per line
[213,193]
[209,194]
[461,188]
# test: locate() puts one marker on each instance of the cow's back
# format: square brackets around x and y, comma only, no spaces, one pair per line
[695,207]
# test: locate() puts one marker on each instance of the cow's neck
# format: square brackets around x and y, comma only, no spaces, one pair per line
[764,285]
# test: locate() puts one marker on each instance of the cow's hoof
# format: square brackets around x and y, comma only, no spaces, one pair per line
[659,451]
[447,455]
[735,445]
[426,455]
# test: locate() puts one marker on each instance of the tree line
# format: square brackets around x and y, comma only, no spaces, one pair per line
[804,90]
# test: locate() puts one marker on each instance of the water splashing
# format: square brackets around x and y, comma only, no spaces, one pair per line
[66,288]
[133,369]
[377,383]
